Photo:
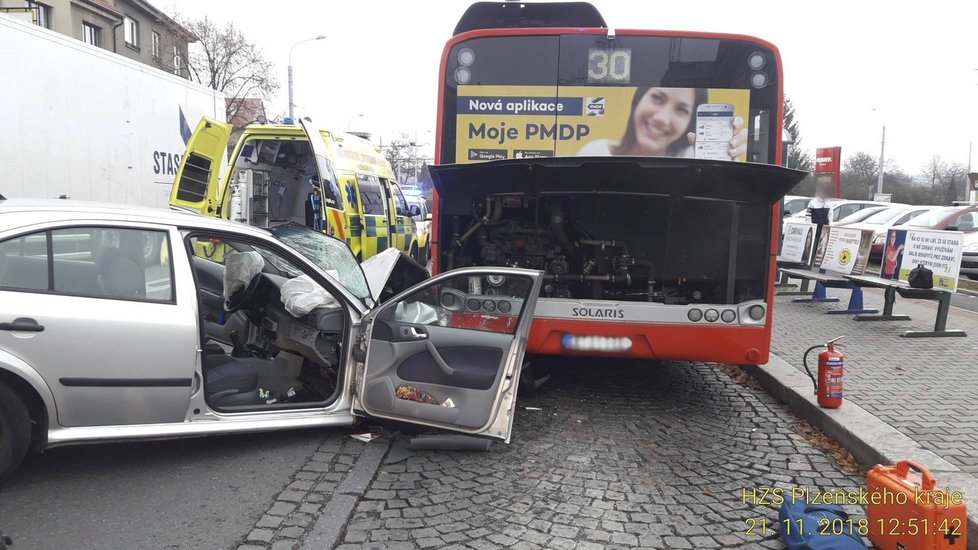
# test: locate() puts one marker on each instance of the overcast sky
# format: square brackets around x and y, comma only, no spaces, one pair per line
[850,66]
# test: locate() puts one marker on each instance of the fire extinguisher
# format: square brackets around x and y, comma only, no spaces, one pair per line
[828,386]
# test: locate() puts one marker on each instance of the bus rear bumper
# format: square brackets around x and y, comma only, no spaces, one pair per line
[720,344]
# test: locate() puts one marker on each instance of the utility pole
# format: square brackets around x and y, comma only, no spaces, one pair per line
[879,183]
[969,194]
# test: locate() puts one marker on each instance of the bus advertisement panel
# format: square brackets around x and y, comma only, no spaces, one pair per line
[500,122]
[636,169]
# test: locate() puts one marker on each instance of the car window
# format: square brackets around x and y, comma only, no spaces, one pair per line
[884,216]
[964,222]
[420,203]
[907,216]
[331,187]
[371,195]
[101,262]
[931,218]
[860,215]
[845,210]
[459,302]
[402,207]
[24,262]
[795,205]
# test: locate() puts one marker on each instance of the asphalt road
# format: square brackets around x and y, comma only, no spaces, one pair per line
[965,301]
[609,452]
[193,493]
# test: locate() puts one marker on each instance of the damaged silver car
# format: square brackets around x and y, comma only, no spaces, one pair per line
[236,329]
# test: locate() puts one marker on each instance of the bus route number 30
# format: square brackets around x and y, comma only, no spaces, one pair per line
[606,65]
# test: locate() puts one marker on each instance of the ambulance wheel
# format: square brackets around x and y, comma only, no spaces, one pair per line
[15,430]
[423,256]
[151,249]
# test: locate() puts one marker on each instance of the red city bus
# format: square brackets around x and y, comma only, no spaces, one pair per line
[638,169]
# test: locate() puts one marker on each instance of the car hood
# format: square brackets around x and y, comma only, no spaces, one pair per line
[390,272]
[694,178]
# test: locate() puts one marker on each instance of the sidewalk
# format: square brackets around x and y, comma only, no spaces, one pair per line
[927,388]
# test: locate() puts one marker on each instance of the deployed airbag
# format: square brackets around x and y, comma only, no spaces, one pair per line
[301,295]
[239,269]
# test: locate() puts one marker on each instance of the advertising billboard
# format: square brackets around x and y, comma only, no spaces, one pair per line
[843,250]
[500,122]
[939,251]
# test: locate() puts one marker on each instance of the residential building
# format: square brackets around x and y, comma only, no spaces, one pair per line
[131,28]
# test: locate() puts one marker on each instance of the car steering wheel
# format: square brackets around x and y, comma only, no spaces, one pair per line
[240,297]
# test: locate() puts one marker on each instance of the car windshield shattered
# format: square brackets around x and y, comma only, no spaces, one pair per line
[331,255]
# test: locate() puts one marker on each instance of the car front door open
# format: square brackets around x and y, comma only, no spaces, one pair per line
[447,353]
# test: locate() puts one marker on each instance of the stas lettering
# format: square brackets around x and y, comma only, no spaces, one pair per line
[165,163]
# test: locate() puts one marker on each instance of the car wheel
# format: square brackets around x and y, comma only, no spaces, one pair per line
[15,430]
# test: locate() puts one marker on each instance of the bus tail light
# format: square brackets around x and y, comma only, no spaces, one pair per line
[755,61]
[463,75]
[756,312]
[466,57]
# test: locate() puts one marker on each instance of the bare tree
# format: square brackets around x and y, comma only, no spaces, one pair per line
[859,175]
[403,155]
[944,178]
[225,60]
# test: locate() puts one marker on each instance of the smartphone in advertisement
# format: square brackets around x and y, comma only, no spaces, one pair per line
[714,130]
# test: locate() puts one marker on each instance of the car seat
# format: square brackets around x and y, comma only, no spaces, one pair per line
[117,275]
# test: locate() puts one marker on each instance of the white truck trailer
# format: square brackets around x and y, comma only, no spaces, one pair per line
[81,122]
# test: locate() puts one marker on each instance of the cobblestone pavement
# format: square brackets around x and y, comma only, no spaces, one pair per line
[925,387]
[296,508]
[620,455]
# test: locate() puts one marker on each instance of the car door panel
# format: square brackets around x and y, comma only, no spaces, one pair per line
[108,362]
[424,367]
[108,359]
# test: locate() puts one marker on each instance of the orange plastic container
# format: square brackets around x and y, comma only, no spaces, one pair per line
[907,511]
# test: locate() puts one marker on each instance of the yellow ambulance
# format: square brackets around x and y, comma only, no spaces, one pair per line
[338,183]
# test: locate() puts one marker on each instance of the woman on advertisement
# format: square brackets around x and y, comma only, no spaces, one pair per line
[892,256]
[662,123]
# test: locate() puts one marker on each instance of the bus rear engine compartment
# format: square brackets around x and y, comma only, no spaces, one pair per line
[604,246]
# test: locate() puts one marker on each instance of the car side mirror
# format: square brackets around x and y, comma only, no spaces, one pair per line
[415,210]
[428,217]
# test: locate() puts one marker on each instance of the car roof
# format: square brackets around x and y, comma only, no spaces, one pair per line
[840,202]
[16,213]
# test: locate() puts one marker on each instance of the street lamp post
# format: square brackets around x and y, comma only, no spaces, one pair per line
[291,102]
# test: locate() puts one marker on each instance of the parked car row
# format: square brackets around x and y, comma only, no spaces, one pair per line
[881,217]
